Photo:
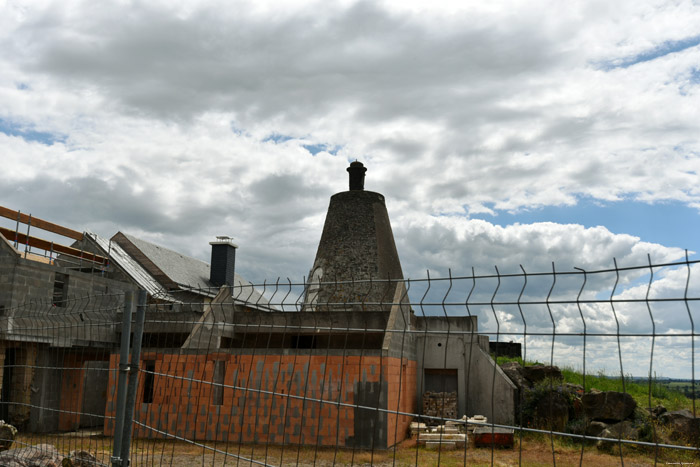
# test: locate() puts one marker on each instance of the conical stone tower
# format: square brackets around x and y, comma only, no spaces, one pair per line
[357,267]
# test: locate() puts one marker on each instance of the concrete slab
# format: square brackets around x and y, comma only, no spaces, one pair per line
[444,445]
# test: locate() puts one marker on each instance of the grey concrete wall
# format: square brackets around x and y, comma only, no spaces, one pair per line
[491,393]
[8,260]
[225,320]
[95,383]
[483,389]
[46,392]
[399,341]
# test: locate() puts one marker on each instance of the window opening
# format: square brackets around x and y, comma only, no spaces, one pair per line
[60,289]
[148,381]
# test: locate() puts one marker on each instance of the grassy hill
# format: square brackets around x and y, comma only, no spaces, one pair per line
[647,394]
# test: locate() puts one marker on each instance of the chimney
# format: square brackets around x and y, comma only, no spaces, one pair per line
[223,261]
[356,246]
[357,176]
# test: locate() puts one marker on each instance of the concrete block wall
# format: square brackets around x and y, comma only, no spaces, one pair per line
[23,280]
[46,395]
[27,282]
[269,400]
[8,260]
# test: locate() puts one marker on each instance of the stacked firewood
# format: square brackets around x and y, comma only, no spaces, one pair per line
[440,404]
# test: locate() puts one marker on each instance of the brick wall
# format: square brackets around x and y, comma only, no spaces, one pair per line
[402,394]
[183,403]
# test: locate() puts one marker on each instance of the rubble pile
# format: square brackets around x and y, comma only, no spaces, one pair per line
[453,434]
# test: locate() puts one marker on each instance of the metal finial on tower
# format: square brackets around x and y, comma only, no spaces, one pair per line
[357,175]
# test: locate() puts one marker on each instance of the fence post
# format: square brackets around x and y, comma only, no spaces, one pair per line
[133,376]
[123,372]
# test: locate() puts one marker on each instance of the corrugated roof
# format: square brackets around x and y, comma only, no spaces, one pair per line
[132,268]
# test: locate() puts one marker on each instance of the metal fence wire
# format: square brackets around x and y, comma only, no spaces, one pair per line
[503,367]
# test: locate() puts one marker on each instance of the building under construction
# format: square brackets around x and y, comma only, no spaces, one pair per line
[348,366]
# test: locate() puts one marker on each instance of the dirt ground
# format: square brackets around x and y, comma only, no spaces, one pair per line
[532,452]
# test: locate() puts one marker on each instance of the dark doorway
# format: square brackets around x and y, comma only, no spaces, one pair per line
[148,381]
[440,380]
[7,376]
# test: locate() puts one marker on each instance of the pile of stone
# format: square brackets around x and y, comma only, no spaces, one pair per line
[418,428]
[451,435]
[46,455]
[440,404]
[549,403]
[7,435]
[474,422]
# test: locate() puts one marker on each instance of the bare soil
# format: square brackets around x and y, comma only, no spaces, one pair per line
[535,451]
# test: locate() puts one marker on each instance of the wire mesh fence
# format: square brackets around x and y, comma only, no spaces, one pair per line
[505,367]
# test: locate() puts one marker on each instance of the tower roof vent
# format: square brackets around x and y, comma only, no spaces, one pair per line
[223,240]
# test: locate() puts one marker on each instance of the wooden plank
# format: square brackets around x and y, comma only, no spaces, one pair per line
[46,245]
[40,224]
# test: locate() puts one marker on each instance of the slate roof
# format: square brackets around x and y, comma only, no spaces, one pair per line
[181,269]
[188,273]
[131,267]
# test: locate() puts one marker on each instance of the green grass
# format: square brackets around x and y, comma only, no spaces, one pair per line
[640,391]
[661,394]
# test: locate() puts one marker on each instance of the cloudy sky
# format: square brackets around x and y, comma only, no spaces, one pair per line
[501,133]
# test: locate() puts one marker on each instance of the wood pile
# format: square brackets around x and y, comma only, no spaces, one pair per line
[440,404]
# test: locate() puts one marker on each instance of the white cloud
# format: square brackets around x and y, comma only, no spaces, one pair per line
[157,120]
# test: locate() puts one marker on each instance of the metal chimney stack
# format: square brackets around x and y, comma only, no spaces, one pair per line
[223,261]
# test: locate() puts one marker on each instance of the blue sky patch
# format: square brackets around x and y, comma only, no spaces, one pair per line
[277,138]
[665,48]
[237,131]
[688,81]
[27,133]
[22,86]
[316,148]
[671,224]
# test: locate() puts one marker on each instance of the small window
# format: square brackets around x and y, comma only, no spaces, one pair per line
[148,381]
[60,289]
[217,390]
[303,342]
